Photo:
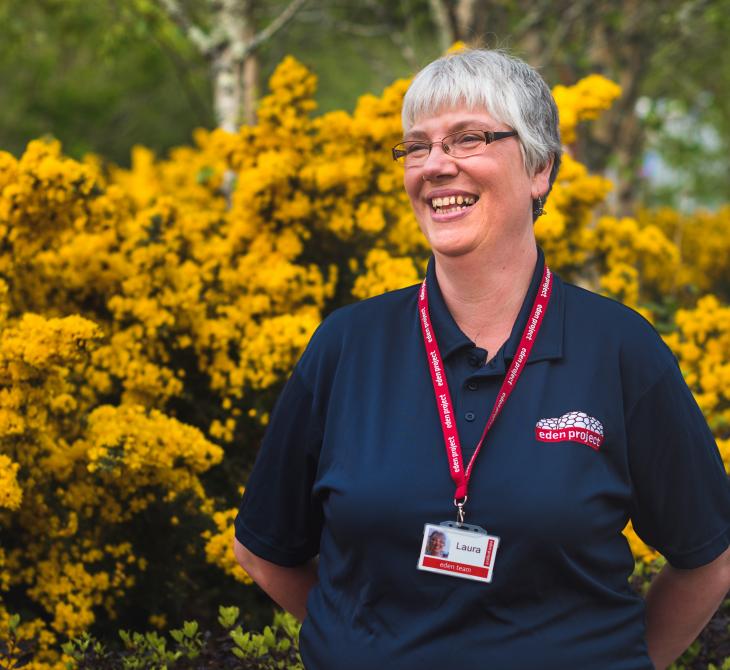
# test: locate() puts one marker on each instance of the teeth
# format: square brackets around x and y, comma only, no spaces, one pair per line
[461,201]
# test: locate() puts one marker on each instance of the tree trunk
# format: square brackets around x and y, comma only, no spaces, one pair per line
[457,21]
[465,19]
[230,47]
[250,69]
[443,22]
[618,136]
[233,17]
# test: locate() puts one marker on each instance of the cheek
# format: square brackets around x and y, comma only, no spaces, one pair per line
[412,184]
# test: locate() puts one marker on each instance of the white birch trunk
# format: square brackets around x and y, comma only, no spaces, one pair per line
[230,48]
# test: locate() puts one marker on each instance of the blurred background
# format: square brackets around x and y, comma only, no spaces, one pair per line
[102,76]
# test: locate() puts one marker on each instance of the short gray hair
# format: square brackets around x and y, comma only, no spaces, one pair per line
[506,87]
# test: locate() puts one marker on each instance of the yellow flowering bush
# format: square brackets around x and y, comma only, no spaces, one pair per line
[703,243]
[149,317]
[585,101]
[219,543]
[10,492]
[565,231]
[702,345]
[637,263]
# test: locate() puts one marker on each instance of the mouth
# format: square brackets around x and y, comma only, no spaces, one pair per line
[448,204]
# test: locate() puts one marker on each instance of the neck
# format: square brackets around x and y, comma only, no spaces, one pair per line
[485,291]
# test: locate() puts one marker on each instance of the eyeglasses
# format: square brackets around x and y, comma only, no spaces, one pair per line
[463,144]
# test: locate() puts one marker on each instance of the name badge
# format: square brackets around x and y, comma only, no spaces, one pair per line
[458,551]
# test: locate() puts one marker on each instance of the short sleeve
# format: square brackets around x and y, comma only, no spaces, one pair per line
[681,490]
[279,519]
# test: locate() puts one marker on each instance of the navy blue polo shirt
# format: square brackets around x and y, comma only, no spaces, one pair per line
[353,465]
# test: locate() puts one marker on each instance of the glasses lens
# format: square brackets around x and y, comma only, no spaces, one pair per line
[465,143]
[411,153]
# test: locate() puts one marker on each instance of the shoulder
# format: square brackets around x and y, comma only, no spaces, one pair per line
[385,306]
[617,334]
[357,325]
[607,310]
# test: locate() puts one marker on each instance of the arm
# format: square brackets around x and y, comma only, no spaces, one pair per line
[680,603]
[288,587]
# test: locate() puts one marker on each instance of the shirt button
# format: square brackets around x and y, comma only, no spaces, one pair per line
[470,416]
[474,360]
[472,386]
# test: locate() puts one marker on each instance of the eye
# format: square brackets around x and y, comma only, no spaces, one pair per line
[416,149]
[468,139]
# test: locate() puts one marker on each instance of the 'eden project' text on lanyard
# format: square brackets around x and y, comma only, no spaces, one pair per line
[441,387]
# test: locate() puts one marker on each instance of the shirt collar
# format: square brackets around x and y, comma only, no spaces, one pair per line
[549,342]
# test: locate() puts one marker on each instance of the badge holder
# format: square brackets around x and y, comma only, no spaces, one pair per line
[458,550]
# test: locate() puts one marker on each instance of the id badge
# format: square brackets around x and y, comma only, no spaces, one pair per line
[458,551]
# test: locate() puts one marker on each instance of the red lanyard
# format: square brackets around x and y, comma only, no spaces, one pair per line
[441,387]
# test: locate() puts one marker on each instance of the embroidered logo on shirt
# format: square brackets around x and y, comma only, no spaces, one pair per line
[571,427]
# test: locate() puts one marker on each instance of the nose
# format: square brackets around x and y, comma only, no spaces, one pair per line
[438,164]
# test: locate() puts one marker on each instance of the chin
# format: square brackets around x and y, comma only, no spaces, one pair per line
[452,242]
[453,249]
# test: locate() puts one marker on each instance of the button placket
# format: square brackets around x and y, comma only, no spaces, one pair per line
[476,357]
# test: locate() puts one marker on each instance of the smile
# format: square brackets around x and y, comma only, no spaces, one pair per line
[452,203]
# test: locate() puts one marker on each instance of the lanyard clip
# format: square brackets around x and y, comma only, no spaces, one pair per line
[460,510]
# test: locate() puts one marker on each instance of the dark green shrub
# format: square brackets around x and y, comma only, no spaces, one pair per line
[192,649]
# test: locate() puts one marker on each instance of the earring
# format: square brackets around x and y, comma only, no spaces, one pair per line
[539,210]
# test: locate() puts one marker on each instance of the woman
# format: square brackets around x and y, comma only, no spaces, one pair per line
[588,423]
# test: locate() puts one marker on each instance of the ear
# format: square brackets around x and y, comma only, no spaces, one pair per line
[541,179]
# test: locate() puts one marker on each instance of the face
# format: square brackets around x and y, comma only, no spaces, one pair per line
[437,543]
[495,181]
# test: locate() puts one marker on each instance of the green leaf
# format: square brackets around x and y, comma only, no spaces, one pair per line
[177,635]
[269,637]
[190,628]
[241,639]
[228,616]
[14,622]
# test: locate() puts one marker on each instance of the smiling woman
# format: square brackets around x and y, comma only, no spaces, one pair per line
[433,401]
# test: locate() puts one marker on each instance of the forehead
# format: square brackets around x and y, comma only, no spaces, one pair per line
[448,121]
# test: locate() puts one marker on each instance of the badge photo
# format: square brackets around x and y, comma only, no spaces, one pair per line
[466,551]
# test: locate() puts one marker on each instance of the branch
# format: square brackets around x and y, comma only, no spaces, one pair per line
[196,35]
[569,18]
[180,65]
[534,17]
[277,24]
